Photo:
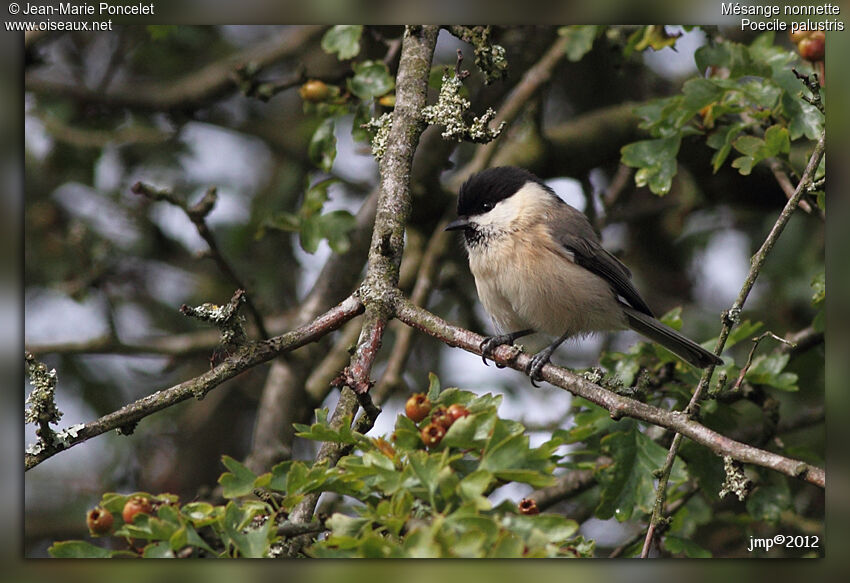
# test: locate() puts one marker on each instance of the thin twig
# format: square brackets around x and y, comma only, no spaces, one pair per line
[729,320]
[197,213]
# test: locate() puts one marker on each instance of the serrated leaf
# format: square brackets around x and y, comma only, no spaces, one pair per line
[628,483]
[250,541]
[343,40]
[371,79]
[239,481]
[656,161]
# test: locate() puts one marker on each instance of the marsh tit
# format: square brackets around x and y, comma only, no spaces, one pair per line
[539,267]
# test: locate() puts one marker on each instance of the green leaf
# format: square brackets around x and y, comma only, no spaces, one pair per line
[721,140]
[704,465]
[592,420]
[656,161]
[683,546]
[201,513]
[473,486]
[158,550]
[77,549]
[344,40]
[322,148]
[766,369]
[335,227]
[746,330]
[541,528]
[628,483]
[371,79]
[433,387]
[239,481]
[768,501]
[322,431]
[249,541]
[819,288]
[580,40]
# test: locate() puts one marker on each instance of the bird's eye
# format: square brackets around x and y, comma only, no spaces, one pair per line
[487,206]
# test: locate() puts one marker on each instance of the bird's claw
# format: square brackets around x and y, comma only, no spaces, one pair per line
[488,345]
[534,368]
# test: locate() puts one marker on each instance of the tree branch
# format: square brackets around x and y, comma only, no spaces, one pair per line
[618,405]
[245,358]
[379,288]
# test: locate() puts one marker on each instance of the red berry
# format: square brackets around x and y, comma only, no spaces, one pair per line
[315,91]
[813,47]
[136,505]
[528,507]
[457,411]
[99,520]
[417,407]
[432,434]
[440,416]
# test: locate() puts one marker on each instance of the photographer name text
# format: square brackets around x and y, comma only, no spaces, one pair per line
[100,9]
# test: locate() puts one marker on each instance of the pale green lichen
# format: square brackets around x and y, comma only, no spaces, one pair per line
[380,130]
[41,407]
[225,318]
[449,112]
[736,481]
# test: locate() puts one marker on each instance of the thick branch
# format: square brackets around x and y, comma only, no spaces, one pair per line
[379,289]
[618,405]
[247,357]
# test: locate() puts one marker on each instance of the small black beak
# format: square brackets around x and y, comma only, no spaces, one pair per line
[457,224]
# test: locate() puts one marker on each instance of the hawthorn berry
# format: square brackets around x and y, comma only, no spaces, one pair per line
[136,505]
[528,507]
[440,416]
[417,407]
[314,91]
[432,434]
[99,520]
[457,411]
[813,47]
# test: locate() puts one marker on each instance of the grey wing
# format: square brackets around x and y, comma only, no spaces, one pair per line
[588,253]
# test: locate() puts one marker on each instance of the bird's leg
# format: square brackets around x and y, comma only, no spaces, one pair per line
[490,343]
[539,360]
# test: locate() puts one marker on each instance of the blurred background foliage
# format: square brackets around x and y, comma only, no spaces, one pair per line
[271,117]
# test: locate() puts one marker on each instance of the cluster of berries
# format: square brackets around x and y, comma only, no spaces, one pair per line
[100,520]
[418,407]
[810,44]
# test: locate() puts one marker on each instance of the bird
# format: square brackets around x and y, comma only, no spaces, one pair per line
[539,267]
